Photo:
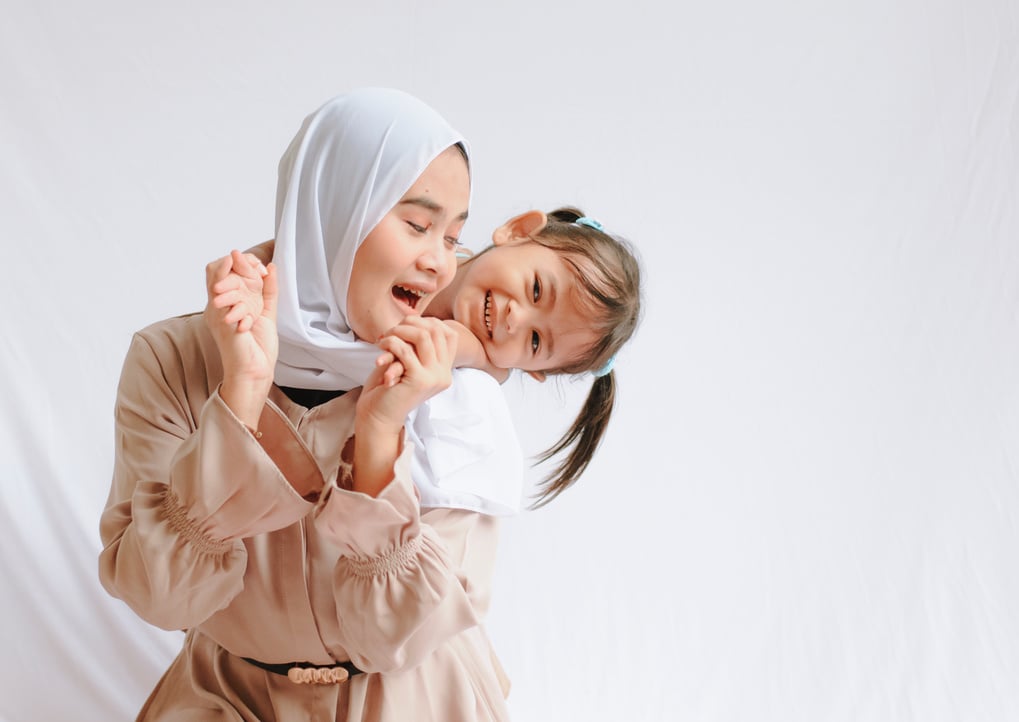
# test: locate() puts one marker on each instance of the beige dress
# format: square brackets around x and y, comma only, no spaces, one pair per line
[259,549]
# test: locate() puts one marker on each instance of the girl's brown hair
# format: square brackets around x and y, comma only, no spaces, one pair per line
[608,271]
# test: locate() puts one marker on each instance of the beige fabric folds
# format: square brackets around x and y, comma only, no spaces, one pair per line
[259,549]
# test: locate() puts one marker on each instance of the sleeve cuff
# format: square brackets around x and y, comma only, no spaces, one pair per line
[366,526]
[232,485]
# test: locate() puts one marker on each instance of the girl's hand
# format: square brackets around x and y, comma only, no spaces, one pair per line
[416,364]
[470,353]
[241,315]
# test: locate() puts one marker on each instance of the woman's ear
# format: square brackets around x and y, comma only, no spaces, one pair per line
[538,376]
[520,228]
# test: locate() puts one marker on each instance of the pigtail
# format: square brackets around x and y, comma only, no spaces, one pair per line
[607,272]
[581,440]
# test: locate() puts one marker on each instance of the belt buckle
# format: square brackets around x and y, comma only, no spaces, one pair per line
[317,675]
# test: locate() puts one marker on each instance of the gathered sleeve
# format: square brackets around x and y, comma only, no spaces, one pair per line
[190,483]
[399,587]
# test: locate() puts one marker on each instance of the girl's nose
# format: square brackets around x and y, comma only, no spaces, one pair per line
[516,316]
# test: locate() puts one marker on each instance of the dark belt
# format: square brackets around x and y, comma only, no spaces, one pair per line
[284,669]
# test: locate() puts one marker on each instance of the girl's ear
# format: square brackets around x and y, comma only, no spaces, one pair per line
[519,228]
[538,376]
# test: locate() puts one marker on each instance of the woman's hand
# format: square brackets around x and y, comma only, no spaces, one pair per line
[241,315]
[416,364]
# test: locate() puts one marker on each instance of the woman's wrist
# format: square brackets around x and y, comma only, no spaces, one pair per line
[245,397]
[371,426]
[376,448]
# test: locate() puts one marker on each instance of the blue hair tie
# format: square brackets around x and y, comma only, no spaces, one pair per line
[606,368]
[591,223]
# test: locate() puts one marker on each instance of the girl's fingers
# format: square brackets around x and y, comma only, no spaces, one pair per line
[223,299]
[231,283]
[418,351]
[240,261]
[248,264]
[420,338]
[393,368]
[256,264]
[237,313]
[393,374]
[402,352]
[373,381]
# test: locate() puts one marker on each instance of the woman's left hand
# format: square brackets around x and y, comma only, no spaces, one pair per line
[241,316]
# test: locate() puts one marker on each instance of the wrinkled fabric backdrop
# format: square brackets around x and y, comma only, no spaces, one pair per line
[807,505]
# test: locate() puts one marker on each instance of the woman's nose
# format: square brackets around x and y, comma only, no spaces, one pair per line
[436,258]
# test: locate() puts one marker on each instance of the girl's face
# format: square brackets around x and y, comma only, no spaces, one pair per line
[522,301]
[410,255]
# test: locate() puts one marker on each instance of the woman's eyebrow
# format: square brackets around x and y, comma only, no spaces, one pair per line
[429,205]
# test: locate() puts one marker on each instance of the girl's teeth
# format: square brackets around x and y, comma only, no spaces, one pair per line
[488,318]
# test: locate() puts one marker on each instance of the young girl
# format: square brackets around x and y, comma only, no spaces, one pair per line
[288,541]
[554,294]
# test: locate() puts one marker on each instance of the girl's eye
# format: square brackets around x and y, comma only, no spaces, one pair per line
[416,227]
[537,289]
[453,242]
[535,342]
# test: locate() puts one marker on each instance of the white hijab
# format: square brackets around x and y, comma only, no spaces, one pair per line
[352,160]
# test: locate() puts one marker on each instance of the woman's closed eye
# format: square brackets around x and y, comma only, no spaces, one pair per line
[451,241]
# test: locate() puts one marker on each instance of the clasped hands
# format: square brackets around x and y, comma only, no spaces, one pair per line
[417,355]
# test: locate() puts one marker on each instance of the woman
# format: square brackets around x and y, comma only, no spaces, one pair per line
[232,512]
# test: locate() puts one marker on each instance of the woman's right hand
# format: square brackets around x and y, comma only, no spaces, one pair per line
[241,315]
[416,364]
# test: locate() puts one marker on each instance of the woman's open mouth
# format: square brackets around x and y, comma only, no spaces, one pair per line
[408,296]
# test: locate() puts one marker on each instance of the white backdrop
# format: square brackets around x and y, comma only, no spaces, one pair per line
[807,505]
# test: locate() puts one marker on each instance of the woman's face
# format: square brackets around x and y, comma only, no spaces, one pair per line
[410,255]
[521,300]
